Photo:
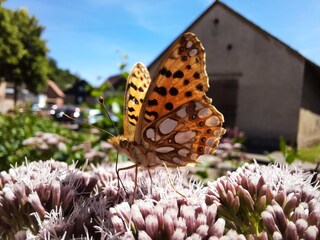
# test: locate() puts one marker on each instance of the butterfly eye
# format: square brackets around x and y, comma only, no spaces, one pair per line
[124,143]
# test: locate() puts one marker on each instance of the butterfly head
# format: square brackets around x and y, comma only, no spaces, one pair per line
[119,142]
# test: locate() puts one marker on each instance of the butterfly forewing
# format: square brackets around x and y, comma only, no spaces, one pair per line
[177,120]
[181,77]
[136,88]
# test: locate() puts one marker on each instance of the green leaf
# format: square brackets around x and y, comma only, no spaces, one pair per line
[96,93]
[291,156]
[283,146]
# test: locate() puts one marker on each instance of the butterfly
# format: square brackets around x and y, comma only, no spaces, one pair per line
[169,119]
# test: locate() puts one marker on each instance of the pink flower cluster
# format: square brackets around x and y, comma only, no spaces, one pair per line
[51,200]
[268,201]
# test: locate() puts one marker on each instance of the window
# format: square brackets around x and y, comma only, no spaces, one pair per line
[224,93]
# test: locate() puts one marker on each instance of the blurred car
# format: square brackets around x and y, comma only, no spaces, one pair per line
[93,116]
[71,120]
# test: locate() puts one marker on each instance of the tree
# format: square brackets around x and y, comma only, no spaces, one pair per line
[63,78]
[23,54]
[11,48]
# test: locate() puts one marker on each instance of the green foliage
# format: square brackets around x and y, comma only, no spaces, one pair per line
[19,126]
[310,154]
[11,48]
[22,51]
[113,101]
[289,153]
[122,66]
[63,78]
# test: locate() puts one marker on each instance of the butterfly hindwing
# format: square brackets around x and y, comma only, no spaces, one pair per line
[186,133]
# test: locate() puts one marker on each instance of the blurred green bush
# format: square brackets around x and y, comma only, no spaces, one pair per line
[17,127]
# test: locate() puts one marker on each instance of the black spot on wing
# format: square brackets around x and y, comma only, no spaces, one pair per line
[196,75]
[133,99]
[200,123]
[200,150]
[168,74]
[133,86]
[169,106]
[173,91]
[199,87]
[131,109]
[188,93]
[161,90]
[163,71]
[133,117]
[132,123]
[193,117]
[148,115]
[153,102]
[178,74]
[184,58]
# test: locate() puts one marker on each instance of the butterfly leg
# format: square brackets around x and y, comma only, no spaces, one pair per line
[135,183]
[150,176]
[149,173]
[120,181]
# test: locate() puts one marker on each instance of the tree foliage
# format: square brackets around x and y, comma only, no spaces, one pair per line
[63,78]
[23,53]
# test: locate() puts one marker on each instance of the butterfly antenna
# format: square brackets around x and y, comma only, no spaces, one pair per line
[101,100]
[83,122]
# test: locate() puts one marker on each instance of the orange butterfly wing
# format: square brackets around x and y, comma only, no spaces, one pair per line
[136,89]
[177,120]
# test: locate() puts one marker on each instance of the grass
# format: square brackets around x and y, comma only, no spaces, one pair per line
[311,154]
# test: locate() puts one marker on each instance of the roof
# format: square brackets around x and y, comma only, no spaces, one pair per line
[75,87]
[115,80]
[267,35]
[55,88]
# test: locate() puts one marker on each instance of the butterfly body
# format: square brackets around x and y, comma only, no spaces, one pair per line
[139,154]
[169,119]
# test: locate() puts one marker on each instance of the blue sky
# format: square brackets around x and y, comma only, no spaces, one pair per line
[89,37]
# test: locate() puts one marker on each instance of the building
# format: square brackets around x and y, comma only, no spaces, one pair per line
[259,83]
[53,95]
[79,94]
